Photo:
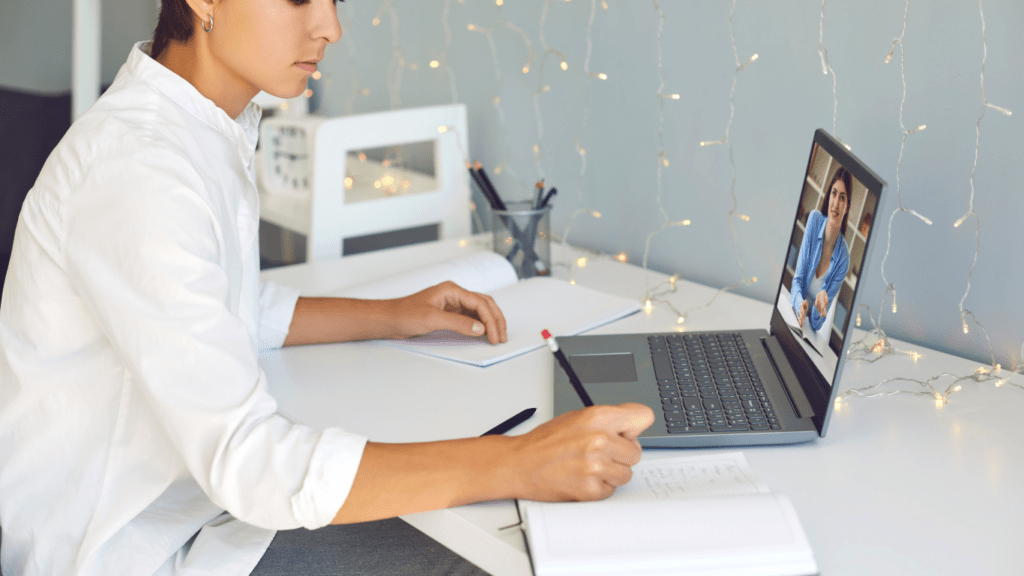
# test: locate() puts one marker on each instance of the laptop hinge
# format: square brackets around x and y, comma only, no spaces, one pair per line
[788,377]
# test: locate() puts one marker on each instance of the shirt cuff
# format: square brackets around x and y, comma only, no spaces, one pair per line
[277,306]
[332,469]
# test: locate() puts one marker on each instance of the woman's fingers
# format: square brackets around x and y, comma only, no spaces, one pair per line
[581,455]
[481,306]
[821,303]
[448,306]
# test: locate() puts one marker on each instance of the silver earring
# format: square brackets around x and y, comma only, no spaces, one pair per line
[203,24]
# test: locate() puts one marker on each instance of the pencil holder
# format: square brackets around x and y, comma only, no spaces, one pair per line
[522,234]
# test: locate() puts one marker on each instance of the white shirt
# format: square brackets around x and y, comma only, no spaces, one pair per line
[133,412]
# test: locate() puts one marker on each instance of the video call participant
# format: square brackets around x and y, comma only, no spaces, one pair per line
[824,257]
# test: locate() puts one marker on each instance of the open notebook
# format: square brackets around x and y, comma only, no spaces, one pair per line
[701,514]
[529,306]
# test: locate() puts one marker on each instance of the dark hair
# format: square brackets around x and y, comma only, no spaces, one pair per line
[844,175]
[175,23]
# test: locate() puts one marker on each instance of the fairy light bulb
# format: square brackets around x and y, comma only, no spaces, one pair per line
[858,318]
[648,307]
[442,129]
[317,75]
[434,63]
[680,320]
[581,262]
[622,257]
[565,65]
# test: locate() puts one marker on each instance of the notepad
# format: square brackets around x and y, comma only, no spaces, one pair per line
[704,514]
[529,306]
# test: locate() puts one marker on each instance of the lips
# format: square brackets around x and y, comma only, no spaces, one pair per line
[307,66]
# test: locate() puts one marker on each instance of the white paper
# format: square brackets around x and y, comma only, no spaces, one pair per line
[529,306]
[477,272]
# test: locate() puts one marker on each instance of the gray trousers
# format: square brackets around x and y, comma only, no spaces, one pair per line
[380,548]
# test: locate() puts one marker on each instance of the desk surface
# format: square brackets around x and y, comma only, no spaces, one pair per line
[898,486]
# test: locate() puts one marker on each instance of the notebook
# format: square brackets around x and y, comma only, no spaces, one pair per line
[701,514]
[529,306]
[749,387]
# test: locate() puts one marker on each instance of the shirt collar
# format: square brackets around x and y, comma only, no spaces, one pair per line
[244,130]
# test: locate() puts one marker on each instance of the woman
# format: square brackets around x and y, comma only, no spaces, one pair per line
[136,432]
[824,256]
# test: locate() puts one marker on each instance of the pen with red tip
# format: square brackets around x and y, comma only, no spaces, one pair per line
[568,369]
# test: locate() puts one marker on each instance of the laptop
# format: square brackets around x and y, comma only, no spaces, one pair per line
[750,387]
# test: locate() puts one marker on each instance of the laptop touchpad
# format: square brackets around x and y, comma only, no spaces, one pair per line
[598,368]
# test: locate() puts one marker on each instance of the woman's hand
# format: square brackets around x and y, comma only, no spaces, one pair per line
[580,455]
[801,314]
[448,306]
[821,303]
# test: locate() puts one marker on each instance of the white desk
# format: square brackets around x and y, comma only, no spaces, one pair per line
[898,486]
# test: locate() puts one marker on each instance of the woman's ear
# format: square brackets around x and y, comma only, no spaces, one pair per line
[202,8]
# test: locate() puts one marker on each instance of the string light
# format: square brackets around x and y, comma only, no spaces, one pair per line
[732,216]
[861,347]
[581,209]
[879,346]
[983,373]
[504,167]
[985,105]
[826,69]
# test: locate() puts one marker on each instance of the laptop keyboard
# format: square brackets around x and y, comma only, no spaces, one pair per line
[708,382]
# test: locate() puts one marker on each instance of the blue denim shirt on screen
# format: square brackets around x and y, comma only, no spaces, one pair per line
[807,261]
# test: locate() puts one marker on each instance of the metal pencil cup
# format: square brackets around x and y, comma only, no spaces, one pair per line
[522,234]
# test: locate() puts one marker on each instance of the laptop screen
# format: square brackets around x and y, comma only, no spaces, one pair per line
[825,259]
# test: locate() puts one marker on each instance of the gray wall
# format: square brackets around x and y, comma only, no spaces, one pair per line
[779,100]
[35,41]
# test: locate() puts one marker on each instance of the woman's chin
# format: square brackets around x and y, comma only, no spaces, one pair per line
[287,92]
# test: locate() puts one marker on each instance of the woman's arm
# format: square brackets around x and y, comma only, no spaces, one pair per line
[832,283]
[581,455]
[805,263]
[442,307]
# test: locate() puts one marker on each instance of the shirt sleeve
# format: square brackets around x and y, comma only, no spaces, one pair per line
[277,306]
[802,276]
[147,256]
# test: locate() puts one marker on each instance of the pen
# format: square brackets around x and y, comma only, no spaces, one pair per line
[547,198]
[568,369]
[490,187]
[511,422]
[483,189]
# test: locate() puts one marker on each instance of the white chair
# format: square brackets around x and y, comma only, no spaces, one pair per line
[335,210]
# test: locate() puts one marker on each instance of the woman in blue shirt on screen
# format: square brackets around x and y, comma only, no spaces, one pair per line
[824,256]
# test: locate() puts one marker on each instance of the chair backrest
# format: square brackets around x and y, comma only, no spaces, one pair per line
[339,211]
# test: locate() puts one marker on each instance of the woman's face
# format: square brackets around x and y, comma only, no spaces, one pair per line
[838,203]
[273,45]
